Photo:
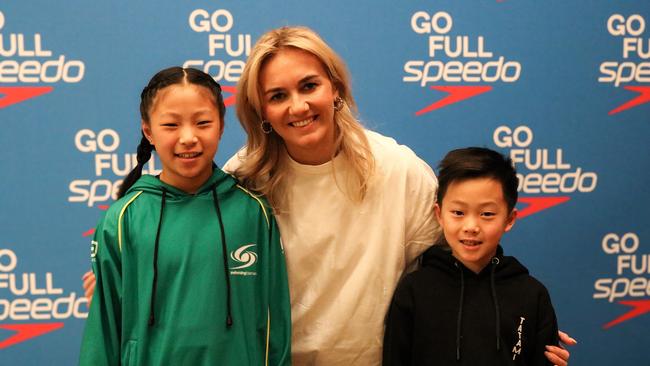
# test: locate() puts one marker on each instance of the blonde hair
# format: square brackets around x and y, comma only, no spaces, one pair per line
[264,163]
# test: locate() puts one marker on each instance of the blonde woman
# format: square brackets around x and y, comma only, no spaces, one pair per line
[354,208]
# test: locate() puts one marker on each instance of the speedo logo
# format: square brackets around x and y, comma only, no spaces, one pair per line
[635,53]
[546,178]
[31,305]
[227,49]
[26,60]
[630,285]
[453,59]
[245,257]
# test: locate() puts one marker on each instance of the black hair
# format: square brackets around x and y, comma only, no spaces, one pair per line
[478,162]
[164,78]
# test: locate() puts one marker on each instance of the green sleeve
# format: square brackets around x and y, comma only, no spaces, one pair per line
[279,302]
[102,334]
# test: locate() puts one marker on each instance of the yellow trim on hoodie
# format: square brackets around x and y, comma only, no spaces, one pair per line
[268,335]
[266,215]
[119,220]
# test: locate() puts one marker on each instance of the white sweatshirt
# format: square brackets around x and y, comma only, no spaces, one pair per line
[344,258]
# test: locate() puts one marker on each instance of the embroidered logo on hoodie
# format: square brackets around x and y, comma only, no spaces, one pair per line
[246,257]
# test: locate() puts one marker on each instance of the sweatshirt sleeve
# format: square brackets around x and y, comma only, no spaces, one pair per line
[101,339]
[421,225]
[234,162]
[279,303]
[546,329]
[399,327]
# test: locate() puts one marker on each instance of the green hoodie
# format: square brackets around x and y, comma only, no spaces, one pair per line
[172,308]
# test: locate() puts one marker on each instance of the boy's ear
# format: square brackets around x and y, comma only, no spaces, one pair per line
[511,220]
[436,209]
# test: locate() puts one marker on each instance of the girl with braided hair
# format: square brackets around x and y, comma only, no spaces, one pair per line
[189,267]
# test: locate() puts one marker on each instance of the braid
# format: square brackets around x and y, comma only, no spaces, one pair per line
[144,151]
[144,154]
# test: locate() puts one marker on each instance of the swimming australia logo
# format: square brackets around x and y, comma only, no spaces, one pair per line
[246,257]
[93,249]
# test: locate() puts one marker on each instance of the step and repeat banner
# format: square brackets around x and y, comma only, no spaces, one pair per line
[563,87]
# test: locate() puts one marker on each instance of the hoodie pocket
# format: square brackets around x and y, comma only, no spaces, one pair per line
[130,356]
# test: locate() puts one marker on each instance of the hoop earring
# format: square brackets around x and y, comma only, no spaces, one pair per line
[266,127]
[338,103]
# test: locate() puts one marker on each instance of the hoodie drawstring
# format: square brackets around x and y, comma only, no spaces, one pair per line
[495,262]
[155,258]
[224,254]
[460,311]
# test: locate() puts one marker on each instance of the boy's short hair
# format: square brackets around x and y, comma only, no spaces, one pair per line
[478,162]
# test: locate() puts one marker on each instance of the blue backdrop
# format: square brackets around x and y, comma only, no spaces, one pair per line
[561,86]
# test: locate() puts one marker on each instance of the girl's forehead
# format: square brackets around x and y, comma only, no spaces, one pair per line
[177,93]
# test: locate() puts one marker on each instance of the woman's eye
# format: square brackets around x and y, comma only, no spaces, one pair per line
[309,86]
[276,97]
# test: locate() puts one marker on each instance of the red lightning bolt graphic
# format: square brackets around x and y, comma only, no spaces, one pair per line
[231,98]
[639,307]
[536,204]
[90,232]
[643,97]
[17,94]
[27,331]
[456,94]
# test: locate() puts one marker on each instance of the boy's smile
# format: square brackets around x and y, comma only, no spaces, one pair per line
[474,215]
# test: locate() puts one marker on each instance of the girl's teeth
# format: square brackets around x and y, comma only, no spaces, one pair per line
[188,155]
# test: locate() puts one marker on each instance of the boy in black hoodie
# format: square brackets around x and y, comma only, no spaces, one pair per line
[469,304]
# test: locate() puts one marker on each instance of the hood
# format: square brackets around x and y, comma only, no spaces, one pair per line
[440,256]
[152,184]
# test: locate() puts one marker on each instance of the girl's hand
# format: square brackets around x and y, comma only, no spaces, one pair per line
[89,286]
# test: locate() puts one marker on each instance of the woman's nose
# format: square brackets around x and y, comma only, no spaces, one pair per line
[298,106]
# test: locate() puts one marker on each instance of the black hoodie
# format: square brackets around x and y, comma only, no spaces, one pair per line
[445,314]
